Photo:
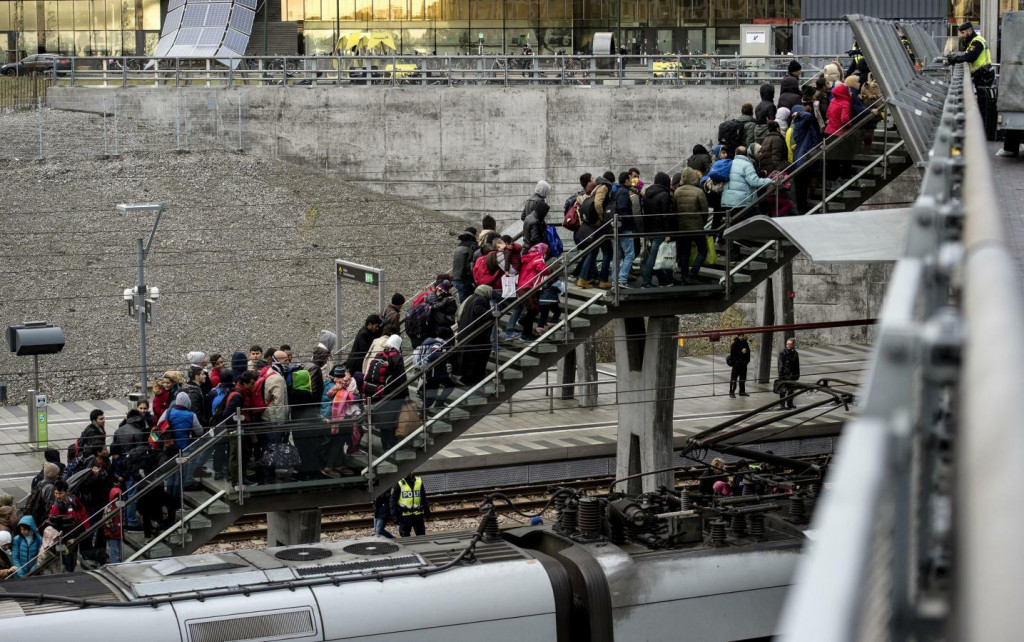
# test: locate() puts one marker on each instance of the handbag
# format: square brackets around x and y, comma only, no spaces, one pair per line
[509,284]
[666,258]
[729,361]
[710,257]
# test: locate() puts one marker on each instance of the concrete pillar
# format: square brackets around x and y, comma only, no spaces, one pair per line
[586,370]
[567,375]
[645,365]
[288,527]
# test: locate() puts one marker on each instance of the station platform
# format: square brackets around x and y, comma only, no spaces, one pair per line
[1008,178]
[539,429]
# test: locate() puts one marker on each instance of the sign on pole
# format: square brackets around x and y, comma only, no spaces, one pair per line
[347,271]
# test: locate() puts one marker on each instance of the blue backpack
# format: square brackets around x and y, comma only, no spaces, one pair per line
[555,247]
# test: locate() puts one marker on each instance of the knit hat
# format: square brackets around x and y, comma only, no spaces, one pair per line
[445,286]
[793,66]
[395,341]
[196,358]
[338,371]
[397,299]
[51,471]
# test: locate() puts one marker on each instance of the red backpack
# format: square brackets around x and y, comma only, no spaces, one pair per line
[571,221]
[255,402]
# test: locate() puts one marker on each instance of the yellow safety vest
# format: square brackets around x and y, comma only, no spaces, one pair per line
[409,500]
[984,58]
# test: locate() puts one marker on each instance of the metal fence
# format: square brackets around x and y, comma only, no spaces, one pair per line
[607,71]
[924,487]
[23,92]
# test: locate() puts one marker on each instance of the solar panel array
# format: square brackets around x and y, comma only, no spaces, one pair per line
[207,29]
[925,47]
[916,101]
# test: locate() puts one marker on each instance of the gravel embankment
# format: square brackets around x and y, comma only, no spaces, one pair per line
[244,254]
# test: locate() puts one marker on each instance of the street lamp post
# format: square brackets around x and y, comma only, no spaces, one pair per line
[138,302]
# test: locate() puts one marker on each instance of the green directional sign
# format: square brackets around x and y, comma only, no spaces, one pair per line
[42,428]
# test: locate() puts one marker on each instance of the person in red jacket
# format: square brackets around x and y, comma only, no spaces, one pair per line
[839,109]
[533,272]
[68,516]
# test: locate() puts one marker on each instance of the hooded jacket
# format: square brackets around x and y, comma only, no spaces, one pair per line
[112,529]
[764,112]
[275,394]
[132,433]
[183,423]
[540,194]
[700,160]
[462,260]
[534,267]
[789,91]
[659,205]
[774,154]
[691,202]
[535,226]
[840,109]
[743,183]
[24,550]
[804,136]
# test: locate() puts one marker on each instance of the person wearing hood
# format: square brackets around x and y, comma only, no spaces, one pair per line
[773,155]
[782,118]
[604,206]
[692,206]
[840,110]
[540,195]
[307,429]
[462,263]
[132,433]
[6,565]
[535,226]
[700,160]
[319,367]
[743,182]
[660,209]
[470,364]
[386,413]
[789,90]
[25,547]
[194,388]
[840,113]
[533,272]
[804,137]
[764,112]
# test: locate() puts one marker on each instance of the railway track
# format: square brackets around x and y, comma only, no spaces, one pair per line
[459,505]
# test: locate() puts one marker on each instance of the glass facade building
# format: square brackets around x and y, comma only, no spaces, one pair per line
[79,27]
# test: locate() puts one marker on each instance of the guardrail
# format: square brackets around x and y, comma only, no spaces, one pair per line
[924,489]
[610,71]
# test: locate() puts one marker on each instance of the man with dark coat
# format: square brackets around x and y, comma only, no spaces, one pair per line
[789,370]
[462,263]
[381,514]
[789,91]
[764,113]
[739,357]
[540,194]
[392,314]
[321,362]
[659,209]
[132,433]
[94,436]
[365,336]
[535,226]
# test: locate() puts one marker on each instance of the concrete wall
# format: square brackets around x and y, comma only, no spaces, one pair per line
[472,150]
[461,150]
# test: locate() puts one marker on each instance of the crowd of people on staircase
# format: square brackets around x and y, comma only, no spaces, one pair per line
[308,419]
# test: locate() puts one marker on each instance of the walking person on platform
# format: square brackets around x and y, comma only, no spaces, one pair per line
[789,370]
[409,505]
[382,513]
[739,357]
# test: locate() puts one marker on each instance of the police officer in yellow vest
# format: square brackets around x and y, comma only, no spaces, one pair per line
[976,52]
[409,505]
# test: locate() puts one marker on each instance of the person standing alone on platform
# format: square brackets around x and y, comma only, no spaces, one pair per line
[409,505]
[381,514]
[789,370]
[739,357]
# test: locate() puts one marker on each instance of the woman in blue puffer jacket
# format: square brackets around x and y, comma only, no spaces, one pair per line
[743,182]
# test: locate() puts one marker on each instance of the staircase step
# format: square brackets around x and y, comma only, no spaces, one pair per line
[579,322]
[545,348]
[508,373]
[747,251]
[386,468]
[418,440]
[753,266]
[175,539]
[405,455]
[196,498]
[456,414]
[718,274]
[199,521]
[526,359]
[438,427]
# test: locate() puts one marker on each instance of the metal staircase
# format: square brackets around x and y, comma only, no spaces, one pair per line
[202,514]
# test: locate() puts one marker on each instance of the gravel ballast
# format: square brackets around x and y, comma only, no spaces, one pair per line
[244,254]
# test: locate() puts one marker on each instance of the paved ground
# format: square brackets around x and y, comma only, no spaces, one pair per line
[1008,177]
[539,428]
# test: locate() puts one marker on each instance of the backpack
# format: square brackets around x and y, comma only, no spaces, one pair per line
[220,407]
[258,402]
[588,212]
[416,320]
[377,375]
[136,460]
[730,133]
[429,352]
[422,297]
[555,247]
[571,221]
[35,505]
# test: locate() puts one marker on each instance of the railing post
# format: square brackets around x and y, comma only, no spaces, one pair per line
[240,457]
[369,446]
[885,144]
[824,177]
[565,294]
[74,64]
[177,72]
[117,149]
[179,460]
[728,256]
[616,256]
